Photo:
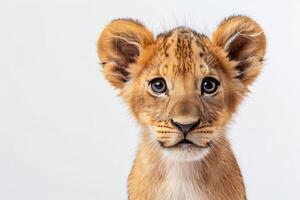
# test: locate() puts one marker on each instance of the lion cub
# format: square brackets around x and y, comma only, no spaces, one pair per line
[183,88]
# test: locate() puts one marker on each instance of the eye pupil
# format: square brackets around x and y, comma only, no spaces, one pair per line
[209,85]
[158,85]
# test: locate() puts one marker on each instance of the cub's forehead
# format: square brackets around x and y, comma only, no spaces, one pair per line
[183,50]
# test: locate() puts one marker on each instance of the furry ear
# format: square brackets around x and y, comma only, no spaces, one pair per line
[119,45]
[244,42]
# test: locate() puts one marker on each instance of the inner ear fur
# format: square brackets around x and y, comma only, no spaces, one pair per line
[120,44]
[244,42]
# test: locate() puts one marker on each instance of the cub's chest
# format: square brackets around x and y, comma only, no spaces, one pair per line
[180,185]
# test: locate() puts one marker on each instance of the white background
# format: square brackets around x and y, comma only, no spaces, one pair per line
[64,134]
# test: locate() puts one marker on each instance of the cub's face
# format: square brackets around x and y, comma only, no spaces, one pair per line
[182,86]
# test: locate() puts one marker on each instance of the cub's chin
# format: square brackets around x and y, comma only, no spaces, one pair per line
[185,152]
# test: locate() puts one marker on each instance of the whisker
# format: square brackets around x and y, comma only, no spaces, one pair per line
[204,126]
[162,126]
[166,132]
[163,137]
[203,132]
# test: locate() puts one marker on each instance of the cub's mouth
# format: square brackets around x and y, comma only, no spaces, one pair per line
[185,143]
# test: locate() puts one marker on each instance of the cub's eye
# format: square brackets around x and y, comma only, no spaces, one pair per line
[209,85]
[158,85]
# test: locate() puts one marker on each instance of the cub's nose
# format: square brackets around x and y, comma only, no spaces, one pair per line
[185,128]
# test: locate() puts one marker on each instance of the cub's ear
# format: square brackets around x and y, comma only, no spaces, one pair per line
[244,42]
[120,44]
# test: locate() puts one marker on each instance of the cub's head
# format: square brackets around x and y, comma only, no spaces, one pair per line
[182,86]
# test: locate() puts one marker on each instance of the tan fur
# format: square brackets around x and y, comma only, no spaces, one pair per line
[163,168]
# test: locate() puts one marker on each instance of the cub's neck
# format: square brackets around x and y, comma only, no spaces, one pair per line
[216,176]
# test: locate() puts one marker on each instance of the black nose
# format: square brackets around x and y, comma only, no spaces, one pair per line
[185,128]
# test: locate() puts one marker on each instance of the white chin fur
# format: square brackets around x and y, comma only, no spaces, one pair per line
[185,154]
